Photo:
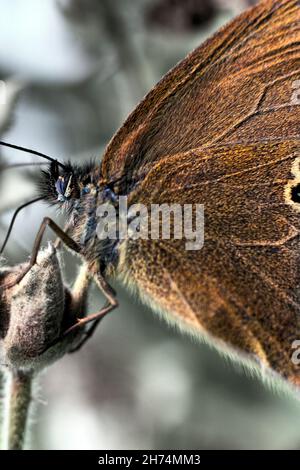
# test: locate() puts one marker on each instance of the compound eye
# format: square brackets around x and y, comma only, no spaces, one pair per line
[63,187]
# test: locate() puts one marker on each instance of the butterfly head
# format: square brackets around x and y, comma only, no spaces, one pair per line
[65,184]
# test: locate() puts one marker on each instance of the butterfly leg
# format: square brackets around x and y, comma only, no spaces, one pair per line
[103,285]
[111,304]
[47,222]
[87,335]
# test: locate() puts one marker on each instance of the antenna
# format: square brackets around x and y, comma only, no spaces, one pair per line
[33,152]
[13,221]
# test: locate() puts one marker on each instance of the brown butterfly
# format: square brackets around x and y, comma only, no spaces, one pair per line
[221,129]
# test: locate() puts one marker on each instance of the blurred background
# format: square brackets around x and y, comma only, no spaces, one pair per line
[70,72]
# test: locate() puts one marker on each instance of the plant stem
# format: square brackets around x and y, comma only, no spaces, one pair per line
[20,398]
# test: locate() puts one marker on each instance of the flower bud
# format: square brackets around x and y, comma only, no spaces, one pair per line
[35,313]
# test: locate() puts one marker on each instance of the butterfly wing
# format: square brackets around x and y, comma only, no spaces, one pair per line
[242,287]
[242,85]
[222,129]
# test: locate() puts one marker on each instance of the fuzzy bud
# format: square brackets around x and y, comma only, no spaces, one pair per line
[35,313]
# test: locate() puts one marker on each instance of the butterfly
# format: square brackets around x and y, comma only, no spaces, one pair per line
[221,129]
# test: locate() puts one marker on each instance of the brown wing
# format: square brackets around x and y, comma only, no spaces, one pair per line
[239,86]
[242,287]
[223,129]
